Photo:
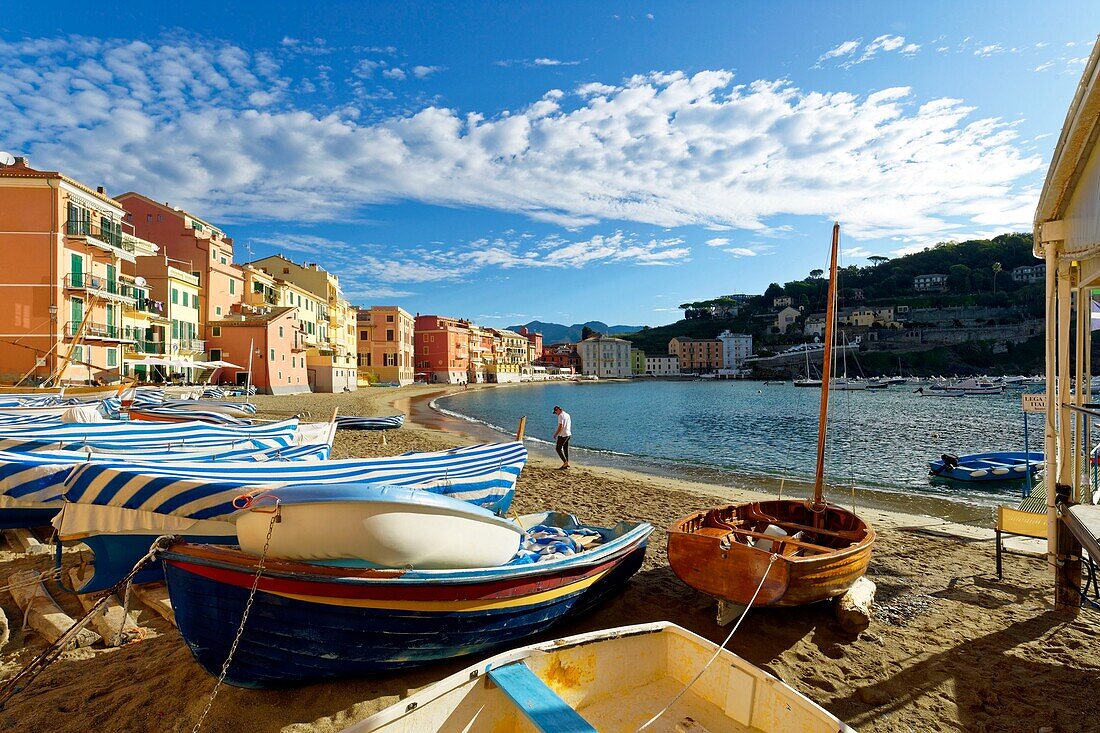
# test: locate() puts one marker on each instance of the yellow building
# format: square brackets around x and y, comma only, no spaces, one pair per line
[174,305]
[385,348]
[511,356]
[144,323]
[329,319]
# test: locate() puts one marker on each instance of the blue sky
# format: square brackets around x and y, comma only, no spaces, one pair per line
[555,161]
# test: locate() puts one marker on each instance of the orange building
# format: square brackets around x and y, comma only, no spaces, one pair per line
[278,355]
[198,247]
[386,344]
[697,356]
[61,254]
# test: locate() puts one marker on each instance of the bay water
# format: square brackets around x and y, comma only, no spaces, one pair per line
[745,432]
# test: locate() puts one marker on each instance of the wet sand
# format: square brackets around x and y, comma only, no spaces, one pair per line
[951,647]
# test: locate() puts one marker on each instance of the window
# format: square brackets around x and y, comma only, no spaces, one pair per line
[112,357]
[273,355]
[232,284]
[198,276]
[286,270]
[78,354]
[280,331]
[215,354]
[148,217]
[218,310]
[224,262]
[215,331]
[389,319]
[363,336]
[160,217]
[214,254]
[175,329]
[425,351]
[389,334]
[283,357]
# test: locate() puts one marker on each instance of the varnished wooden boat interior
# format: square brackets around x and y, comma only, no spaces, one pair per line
[724,552]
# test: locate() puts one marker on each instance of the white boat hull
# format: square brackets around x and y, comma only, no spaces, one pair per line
[616,680]
[386,534]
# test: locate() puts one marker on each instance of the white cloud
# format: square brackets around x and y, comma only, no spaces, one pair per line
[844,49]
[1043,66]
[649,16]
[989,50]
[394,73]
[180,121]
[742,252]
[884,43]
[423,72]
[856,252]
[543,61]
[718,242]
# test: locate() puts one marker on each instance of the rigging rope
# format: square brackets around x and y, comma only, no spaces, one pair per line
[717,651]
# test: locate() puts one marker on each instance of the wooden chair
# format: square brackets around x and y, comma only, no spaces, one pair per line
[1018,523]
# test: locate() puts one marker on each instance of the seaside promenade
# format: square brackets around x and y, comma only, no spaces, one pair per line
[942,622]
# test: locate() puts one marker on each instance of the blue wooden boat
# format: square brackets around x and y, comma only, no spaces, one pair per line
[312,621]
[993,466]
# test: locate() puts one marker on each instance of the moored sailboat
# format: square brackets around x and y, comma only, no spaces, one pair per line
[788,552]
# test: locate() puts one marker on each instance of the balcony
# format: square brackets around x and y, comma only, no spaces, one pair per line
[195,345]
[101,286]
[105,238]
[146,305]
[100,332]
[141,347]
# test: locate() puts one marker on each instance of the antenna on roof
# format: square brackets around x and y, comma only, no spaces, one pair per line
[7,159]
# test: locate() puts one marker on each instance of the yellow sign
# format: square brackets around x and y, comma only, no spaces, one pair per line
[1036,402]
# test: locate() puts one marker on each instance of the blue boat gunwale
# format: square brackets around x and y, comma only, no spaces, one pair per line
[630,538]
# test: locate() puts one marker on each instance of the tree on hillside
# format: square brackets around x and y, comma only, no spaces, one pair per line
[958,278]
[775,290]
[587,333]
[816,274]
[877,259]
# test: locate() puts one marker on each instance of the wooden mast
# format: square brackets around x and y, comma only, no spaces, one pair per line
[827,372]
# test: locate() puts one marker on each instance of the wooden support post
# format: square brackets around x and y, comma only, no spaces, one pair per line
[1067,559]
[23,540]
[108,620]
[155,596]
[521,429]
[43,615]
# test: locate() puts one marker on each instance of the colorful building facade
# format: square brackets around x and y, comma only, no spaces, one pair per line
[386,345]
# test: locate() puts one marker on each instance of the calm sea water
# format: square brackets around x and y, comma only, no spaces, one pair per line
[878,439]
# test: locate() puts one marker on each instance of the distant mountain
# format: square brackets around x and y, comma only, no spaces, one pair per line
[553,333]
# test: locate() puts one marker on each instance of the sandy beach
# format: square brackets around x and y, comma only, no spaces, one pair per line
[951,648]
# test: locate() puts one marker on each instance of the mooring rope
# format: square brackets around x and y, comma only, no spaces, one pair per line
[717,651]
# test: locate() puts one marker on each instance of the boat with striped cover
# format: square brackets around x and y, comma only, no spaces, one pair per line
[119,509]
[136,435]
[361,422]
[175,415]
[226,407]
[992,466]
[613,681]
[31,483]
[369,620]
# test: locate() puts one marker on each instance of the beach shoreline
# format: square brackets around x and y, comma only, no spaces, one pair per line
[942,620]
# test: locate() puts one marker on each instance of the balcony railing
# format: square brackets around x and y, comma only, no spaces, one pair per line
[101,285]
[142,347]
[100,331]
[191,344]
[146,305]
[108,235]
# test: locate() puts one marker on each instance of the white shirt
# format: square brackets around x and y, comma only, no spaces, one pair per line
[565,423]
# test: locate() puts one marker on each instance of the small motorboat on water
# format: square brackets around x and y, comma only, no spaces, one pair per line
[612,681]
[993,466]
[311,621]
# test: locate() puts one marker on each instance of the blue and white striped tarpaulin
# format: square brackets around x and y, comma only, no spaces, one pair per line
[205,404]
[171,414]
[40,476]
[138,434]
[481,474]
[359,422]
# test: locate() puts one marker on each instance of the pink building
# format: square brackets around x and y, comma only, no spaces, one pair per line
[442,349]
[278,356]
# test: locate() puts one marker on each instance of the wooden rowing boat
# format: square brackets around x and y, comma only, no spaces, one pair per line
[612,681]
[795,551]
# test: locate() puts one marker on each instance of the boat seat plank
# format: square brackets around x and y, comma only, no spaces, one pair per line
[853,535]
[538,703]
[786,540]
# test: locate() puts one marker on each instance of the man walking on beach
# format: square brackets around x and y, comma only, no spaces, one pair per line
[562,435]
